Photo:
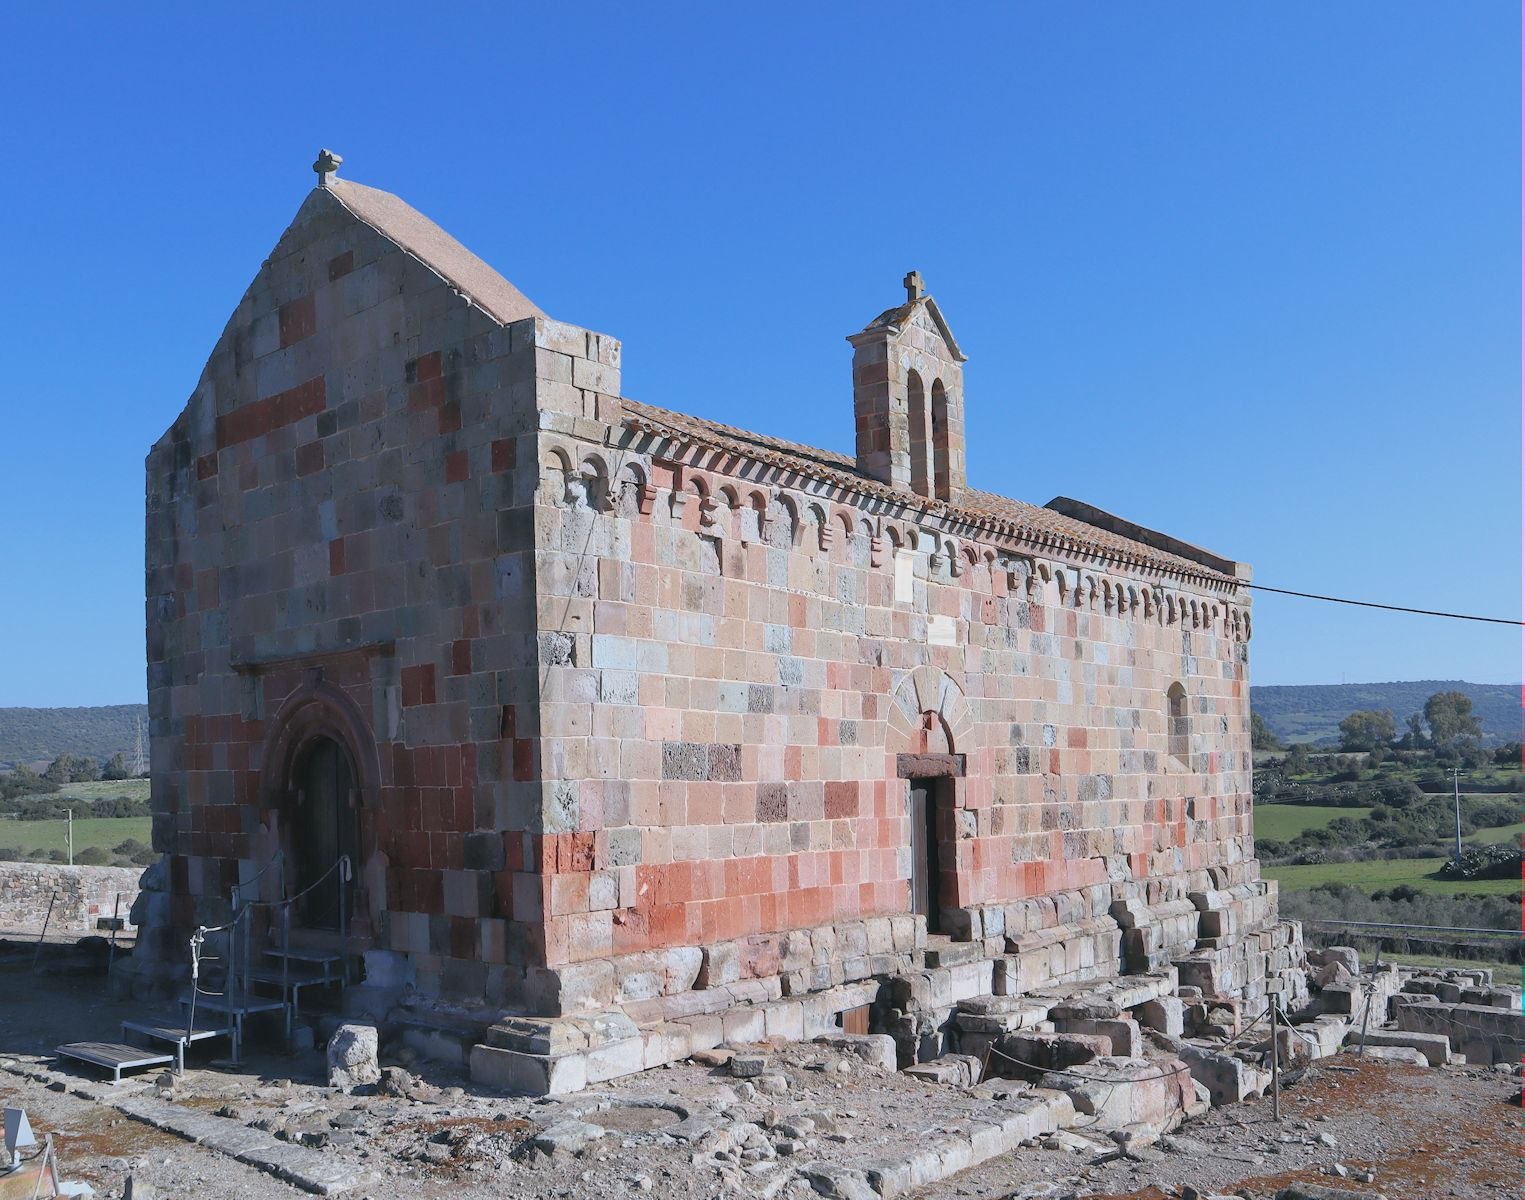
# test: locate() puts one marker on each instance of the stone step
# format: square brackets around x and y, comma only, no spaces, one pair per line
[942,952]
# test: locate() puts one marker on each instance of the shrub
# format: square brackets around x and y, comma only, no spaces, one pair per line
[92,856]
[1484,862]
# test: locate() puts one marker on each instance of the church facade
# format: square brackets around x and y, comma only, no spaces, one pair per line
[626,720]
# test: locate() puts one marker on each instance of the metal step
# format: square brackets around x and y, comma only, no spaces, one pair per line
[116,1057]
[167,1029]
[248,1006]
[302,954]
[297,976]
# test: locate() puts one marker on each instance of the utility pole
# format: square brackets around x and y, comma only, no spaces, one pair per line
[70,835]
[1456,790]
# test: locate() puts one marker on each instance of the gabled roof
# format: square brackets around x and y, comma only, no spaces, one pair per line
[1046,526]
[893,320]
[402,223]
[421,237]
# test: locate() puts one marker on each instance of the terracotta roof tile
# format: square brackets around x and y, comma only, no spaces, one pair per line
[426,241]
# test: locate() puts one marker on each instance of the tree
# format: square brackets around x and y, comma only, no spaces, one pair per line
[86,770]
[1414,738]
[1297,759]
[1449,716]
[60,770]
[1261,737]
[117,768]
[1367,730]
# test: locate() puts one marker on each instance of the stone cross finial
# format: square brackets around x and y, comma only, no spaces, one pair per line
[327,166]
[913,286]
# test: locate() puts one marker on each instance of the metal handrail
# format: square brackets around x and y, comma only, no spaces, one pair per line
[236,987]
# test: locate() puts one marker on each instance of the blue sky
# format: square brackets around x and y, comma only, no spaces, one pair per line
[1245,273]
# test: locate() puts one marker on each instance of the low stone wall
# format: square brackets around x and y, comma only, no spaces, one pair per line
[83,896]
[1483,1033]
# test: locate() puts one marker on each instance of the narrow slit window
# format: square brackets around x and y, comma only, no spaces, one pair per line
[1177,724]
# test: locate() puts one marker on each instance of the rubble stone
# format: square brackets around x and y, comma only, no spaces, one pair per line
[352,1057]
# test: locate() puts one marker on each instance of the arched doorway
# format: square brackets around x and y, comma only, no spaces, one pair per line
[321,826]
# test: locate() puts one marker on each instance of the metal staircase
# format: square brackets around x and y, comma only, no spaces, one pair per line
[243,979]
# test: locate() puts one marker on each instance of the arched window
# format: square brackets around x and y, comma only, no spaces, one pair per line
[939,438]
[1177,725]
[916,415]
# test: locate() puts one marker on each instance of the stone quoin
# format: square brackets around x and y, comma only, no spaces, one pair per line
[645,733]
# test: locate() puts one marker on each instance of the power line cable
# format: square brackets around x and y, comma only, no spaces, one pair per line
[1423,612]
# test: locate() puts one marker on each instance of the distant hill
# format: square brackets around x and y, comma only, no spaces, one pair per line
[1301,713]
[1313,712]
[39,735]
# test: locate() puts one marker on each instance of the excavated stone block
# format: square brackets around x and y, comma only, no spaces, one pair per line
[1136,1094]
[1165,1014]
[528,1074]
[1123,1037]
[1033,1051]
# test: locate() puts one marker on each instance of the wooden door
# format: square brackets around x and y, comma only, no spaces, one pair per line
[325,829]
[924,850]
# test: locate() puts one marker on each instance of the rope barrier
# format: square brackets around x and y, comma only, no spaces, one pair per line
[1122,1079]
[233,988]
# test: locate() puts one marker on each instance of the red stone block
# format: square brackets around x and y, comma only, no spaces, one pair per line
[298,319]
[524,759]
[578,851]
[426,366]
[206,589]
[310,458]
[460,657]
[206,466]
[336,557]
[272,413]
[429,891]
[418,686]
[504,452]
[450,416]
[456,468]
[341,265]
[632,931]
[503,890]
[424,396]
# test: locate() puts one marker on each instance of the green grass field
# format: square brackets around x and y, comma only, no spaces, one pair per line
[1283,822]
[104,832]
[1499,833]
[1381,874]
[136,789]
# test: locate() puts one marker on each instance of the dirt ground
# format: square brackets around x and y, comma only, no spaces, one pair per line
[693,1131]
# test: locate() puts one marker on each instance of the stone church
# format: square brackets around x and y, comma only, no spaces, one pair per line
[643,733]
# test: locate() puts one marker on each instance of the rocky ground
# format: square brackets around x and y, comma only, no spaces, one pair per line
[699,1131]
